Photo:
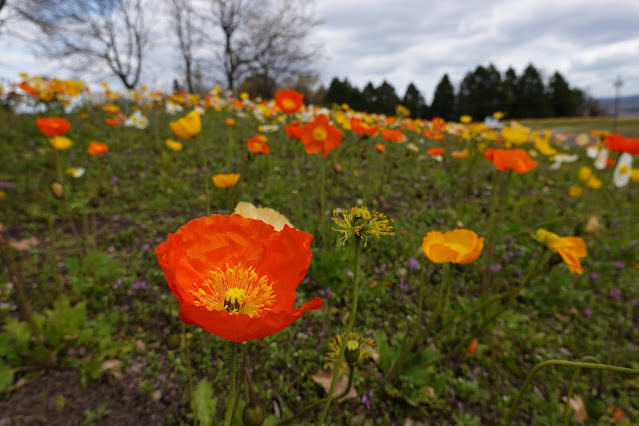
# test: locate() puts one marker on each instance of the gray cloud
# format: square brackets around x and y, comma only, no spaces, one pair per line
[589,41]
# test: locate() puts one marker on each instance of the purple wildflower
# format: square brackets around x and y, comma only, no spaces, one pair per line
[594,276]
[325,293]
[620,265]
[615,293]
[413,263]
[117,283]
[496,267]
[402,284]
[588,313]
[114,180]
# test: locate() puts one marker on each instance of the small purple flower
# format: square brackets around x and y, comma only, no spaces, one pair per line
[519,273]
[117,283]
[632,243]
[620,265]
[306,280]
[325,293]
[413,263]
[615,293]
[366,399]
[146,247]
[7,185]
[587,314]
[140,285]
[635,302]
[496,267]
[114,180]
[594,276]
[402,284]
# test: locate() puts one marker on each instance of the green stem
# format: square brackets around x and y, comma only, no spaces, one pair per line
[314,404]
[207,178]
[444,293]
[571,364]
[187,353]
[500,197]
[349,328]
[230,399]
[571,388]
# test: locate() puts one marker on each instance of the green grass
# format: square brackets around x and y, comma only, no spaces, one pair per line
[628,127]
[129,200]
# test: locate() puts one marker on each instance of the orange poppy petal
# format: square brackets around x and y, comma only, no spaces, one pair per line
[241,327]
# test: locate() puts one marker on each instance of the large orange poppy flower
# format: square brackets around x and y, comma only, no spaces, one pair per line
[360,128]
[53,126]
[320,135]
[516,160]
[289,100]
[236,277]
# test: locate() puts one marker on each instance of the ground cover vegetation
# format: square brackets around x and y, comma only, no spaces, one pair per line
[184,259]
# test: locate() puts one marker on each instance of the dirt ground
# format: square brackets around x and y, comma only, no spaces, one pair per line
[37,402]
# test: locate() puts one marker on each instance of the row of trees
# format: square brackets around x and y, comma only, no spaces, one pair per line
[235,38]
[480,93]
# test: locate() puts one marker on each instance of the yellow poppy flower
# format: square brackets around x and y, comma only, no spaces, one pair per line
[188,126]
[60,142]
[456,246]
[226,180]
[571,249]
[174,145]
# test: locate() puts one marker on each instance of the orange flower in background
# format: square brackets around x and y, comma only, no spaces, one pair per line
[188,126]
[380,147]
[461,155]
[393,135]
[53,126]
[112,122]
[435,151]
[472,347]
[226,180]
[516,160]
[618,143]
[457,246]
[230,122]
[361,128]
[289,100]
[294,130]
[571,249]
[257,144]
[320,135]
[97,148]
[111,108]
[236,277]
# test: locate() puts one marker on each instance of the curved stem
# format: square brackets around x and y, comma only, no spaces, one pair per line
[349,328]
[572,364]
[571,388]
[230,398]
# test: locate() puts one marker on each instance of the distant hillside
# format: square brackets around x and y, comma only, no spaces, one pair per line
[628,105]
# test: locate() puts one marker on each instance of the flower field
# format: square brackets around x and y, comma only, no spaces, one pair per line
[183,259]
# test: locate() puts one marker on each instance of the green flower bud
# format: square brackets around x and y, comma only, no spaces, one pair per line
[351,353]
[253,415]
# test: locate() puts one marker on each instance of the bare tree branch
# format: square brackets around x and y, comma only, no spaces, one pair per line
[110,33]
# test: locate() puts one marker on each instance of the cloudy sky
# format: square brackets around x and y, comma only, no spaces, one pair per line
[590,42]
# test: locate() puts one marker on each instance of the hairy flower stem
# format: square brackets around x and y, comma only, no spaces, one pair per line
[499,198]
[349,328]
[230,398]
[571,364]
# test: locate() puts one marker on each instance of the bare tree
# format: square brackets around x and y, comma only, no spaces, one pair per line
[267,38]
[110,33]
[182,16]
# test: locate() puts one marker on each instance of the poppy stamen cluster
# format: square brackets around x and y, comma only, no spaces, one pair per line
[237,290]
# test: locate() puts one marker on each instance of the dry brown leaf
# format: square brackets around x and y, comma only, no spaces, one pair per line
[23,245]
[112,366]
[577,404]
[324,378]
